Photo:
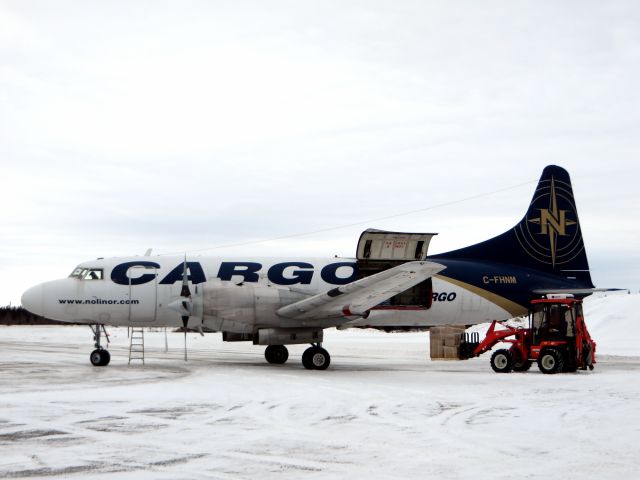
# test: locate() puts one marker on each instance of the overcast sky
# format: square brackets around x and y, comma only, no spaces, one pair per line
[198,124]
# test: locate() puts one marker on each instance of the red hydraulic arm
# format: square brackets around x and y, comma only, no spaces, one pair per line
[494,337]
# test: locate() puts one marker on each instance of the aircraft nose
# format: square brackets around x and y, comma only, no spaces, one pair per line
[33,300]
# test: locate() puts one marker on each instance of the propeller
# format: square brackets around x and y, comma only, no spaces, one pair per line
[184,306]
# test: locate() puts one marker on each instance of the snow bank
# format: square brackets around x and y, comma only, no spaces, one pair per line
[612,322]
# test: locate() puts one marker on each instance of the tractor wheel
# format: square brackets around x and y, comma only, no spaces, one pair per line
[502,361]
[551,361]
[522,366]
[570,365]
[519,365]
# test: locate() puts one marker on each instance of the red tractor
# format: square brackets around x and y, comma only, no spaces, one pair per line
[556,337]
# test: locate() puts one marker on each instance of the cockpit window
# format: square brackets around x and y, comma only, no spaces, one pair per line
[87,273]
[93,274]
[76,273]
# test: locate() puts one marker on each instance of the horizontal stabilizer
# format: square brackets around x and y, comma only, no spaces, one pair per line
[357,298]
[575,291]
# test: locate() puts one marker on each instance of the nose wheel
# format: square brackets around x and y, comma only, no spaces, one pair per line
[100,357]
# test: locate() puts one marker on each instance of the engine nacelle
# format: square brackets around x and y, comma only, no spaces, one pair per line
[238,308]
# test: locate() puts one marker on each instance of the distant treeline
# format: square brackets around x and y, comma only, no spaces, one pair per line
[20,316]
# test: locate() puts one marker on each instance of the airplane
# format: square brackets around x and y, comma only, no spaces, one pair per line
[391,284]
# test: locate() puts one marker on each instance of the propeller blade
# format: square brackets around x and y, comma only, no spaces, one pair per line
[185,321]
[185,292]
[186,304]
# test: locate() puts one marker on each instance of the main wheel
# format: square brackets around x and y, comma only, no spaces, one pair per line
[502,361]
[277,354]
[100,357]
[550,361]
[306,359]
[316,358]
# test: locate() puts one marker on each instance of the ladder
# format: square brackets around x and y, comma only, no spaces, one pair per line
[136,345]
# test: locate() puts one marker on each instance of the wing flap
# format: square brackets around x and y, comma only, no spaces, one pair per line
[357,298]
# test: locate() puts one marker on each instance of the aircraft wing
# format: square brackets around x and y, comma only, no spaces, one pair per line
[357,298]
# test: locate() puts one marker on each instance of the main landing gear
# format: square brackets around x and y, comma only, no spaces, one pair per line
[99,357]
[314,358]
[277,354]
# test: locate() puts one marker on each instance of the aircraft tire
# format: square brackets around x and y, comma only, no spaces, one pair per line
[100,358]
[502,361]
[106,358]
[316,358]
[306,360]
[276,354]
[551,361]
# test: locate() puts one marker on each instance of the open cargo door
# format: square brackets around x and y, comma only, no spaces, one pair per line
[380,250]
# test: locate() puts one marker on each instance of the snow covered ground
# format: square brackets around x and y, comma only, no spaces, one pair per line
[382,410]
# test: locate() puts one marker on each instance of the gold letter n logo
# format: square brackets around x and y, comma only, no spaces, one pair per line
[553,222]
[557,224]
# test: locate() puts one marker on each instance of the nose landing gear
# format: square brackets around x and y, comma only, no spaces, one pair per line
[100,357]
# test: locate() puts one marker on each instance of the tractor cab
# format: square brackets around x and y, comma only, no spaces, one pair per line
[560,340]
[551,319]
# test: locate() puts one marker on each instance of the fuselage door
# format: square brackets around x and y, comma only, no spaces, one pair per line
[143,297]
[380,250]
[375,245]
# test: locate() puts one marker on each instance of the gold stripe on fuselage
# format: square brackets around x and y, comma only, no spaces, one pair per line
[513,308]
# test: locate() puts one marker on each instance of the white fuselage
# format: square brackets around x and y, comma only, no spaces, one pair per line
[235,295]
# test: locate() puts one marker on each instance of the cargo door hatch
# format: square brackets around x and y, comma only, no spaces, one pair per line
[379,250]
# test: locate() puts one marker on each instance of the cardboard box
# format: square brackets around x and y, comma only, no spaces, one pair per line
[445,342]
[452,340]
[437,351]
[450,353]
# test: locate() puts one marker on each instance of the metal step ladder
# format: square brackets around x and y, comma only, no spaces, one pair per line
[136,345]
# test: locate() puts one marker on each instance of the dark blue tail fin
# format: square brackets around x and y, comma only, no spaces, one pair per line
[547,239]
